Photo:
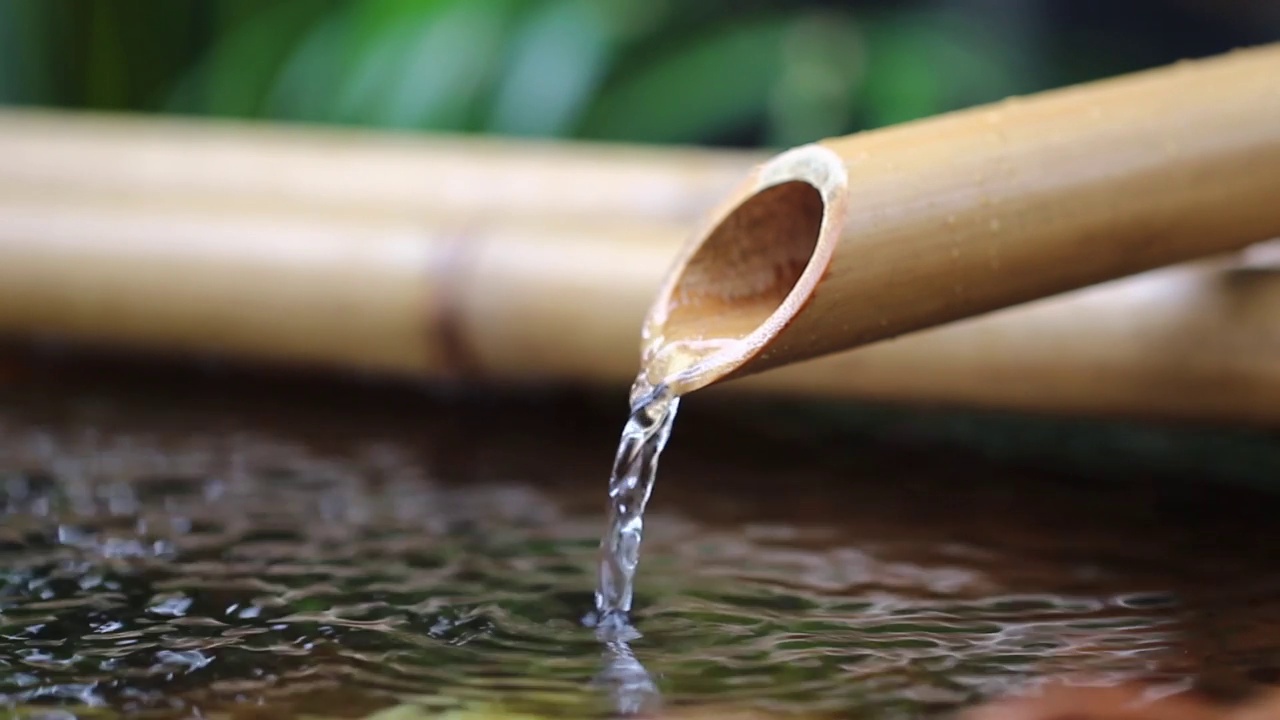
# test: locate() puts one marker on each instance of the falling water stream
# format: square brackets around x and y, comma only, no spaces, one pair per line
[653,411]
[635,468]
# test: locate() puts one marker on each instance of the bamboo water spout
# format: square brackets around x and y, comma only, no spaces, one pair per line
[862,238]
[162,250]
[503,302]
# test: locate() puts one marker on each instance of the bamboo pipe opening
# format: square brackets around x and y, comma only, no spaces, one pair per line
[728,296]
[960,215]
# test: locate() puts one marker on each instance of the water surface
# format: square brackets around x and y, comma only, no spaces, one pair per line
[183,546]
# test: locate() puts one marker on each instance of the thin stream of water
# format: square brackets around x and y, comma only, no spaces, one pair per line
[628,684]
[653,411]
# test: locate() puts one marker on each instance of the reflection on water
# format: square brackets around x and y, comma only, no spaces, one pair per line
[221,547]
[628,685]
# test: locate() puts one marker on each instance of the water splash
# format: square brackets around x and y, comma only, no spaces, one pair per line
[653,411]
[623,678]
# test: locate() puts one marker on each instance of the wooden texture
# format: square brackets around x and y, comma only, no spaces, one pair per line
[519,302]
[228,165]
[1188,342]
[858,239]
[180,259]
[457,298]
[254,285]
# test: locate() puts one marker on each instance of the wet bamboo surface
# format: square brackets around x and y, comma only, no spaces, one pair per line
[172,255]
[858,239]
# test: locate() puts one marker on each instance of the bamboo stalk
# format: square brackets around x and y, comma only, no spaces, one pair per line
[862,238]
[1188,342]
[375,293]
[272,167]
[518,301]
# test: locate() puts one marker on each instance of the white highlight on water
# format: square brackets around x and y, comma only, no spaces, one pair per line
[632,690]
[653,411]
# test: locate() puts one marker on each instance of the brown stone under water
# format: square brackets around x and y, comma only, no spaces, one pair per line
[1126,702]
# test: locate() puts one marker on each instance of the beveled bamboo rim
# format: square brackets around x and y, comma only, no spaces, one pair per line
[446,294]
[1032,196]
[808,183]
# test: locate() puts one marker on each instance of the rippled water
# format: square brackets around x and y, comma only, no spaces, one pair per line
[212,548]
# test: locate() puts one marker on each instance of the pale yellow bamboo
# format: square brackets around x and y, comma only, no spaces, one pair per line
[1195,342]
[379,293]
[272,167]
[1191,343]
[508,301]
[862,238]
[259,286]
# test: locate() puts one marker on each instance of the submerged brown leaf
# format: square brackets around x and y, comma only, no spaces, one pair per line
[1266,707]
[1131,702]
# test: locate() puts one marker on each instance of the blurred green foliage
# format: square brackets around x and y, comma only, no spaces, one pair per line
[743,72]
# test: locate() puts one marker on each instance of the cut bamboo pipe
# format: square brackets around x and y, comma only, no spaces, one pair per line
[516,301]
[862,238]
[260,167]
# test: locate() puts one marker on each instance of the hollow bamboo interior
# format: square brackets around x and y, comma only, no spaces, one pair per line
[862,238]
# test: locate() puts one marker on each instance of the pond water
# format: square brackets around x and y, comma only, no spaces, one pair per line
[199,546]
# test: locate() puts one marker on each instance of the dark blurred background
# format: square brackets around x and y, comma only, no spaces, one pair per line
[717,72]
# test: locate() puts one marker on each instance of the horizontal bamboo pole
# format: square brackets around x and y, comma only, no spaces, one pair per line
[862,238]
[516,301]
[460,297]
[258,166]
[1188,342]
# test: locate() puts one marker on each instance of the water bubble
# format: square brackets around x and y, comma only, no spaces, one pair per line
[174,606]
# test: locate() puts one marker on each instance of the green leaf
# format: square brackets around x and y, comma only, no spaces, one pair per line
[557,59]
[927,63]
[822,66]
[23,34]
[304,87]
[707,85]
[427,66]
[234,77]
[106,66]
